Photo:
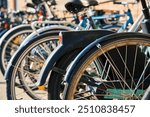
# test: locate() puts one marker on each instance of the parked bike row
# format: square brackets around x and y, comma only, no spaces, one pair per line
[93,56]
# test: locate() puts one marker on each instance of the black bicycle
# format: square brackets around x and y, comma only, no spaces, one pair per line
[115,66]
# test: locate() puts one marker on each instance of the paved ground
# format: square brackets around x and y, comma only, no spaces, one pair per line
[2,88]
[42,94]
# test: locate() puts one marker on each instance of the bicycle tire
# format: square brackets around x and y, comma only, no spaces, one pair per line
[6,42]
[56,77]
[3,32]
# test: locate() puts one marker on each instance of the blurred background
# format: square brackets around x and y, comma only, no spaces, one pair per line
[11,5]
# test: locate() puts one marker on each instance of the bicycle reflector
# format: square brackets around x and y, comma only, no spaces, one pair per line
[60,37]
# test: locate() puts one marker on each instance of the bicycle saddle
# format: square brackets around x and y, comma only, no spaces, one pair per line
[53,2]
[75,6]
[36,2]
[30,5]
[19,13]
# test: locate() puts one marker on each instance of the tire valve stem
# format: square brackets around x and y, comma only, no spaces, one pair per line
[98,45]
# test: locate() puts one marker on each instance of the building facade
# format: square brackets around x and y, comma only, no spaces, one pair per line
[16,4]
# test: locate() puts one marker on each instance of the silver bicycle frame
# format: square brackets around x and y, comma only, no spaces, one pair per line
[136,25]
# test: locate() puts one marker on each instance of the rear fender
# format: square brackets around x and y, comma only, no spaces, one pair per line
[71,41]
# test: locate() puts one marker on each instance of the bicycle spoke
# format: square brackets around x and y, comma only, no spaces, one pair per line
[125,65]
[115,68]
[141,76]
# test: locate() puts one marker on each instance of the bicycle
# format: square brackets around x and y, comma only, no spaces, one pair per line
[113,67]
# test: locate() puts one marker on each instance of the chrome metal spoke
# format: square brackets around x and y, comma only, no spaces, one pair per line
[141,76]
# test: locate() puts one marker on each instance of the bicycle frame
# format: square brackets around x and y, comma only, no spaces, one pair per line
[87,22]
[136,25]
[125,24]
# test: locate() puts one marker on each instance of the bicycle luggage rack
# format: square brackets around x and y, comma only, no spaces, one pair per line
[36,24]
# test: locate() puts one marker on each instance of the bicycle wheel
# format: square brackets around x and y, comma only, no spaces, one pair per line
[11,42]
[28,62]
[123,72]
[3,32]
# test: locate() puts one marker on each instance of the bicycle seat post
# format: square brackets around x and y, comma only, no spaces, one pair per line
[145,9]
[50,15]
[146,22]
